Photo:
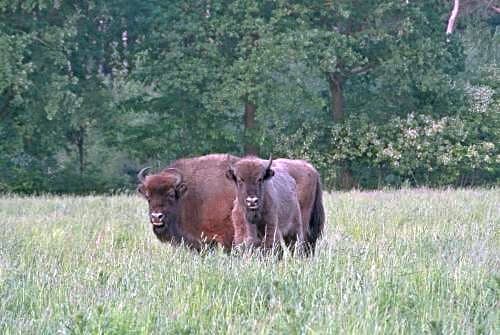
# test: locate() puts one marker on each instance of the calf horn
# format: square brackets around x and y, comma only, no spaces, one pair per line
[177,174]
[229,164]
[143,173]
[270,162]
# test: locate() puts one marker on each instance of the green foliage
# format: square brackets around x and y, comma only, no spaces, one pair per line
[91,91]
[54,95]
[416,150]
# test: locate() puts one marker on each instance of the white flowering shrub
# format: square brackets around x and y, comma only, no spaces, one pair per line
[417,150]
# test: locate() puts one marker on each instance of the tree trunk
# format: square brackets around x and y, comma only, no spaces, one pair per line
[336,81]
[80,138]
[249,132]
[8,96]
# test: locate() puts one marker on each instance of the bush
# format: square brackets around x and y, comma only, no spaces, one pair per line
[417,150]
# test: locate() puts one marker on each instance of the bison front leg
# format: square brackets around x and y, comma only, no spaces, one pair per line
[245,234]
[239,223]
[251,238]
[272,234]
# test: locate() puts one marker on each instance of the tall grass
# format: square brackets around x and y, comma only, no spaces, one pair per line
[411,261]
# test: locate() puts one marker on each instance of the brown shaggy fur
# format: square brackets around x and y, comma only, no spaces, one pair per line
[200,213]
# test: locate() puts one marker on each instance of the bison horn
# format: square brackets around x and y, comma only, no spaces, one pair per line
[177,174]
[228,161]
[270,162]
[143,173]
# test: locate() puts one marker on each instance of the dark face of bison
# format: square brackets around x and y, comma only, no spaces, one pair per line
[163,192]
[249,176]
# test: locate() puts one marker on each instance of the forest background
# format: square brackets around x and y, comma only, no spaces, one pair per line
[374,93]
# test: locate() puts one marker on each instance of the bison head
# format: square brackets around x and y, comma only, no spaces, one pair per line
[163,192]
[249,175]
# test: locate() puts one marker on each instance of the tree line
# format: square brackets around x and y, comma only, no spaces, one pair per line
[374,93]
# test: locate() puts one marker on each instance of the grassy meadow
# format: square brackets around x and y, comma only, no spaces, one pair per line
[390,262]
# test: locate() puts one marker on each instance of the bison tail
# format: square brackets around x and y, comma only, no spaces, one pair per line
[317,221]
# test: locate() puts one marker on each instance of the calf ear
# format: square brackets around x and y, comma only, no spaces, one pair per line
[230,174]
[269,173]
[180,190]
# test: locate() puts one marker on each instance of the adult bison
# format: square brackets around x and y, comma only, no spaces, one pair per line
[191,201]
[266,209]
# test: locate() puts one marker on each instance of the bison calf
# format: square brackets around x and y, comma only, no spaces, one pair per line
[266,210]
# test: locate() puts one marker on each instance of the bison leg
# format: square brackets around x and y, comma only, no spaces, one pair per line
[272,236]
[301,246]
[295,239]
[239,223]
[251,237]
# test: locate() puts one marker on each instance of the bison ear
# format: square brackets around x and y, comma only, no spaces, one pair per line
[180,190]
[230,174]
[269,173]
[141,189]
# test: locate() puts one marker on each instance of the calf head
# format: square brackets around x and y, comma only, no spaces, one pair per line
[249,175]
[163,192]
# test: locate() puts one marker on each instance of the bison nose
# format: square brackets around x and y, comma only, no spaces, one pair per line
[157,218]
[252,202]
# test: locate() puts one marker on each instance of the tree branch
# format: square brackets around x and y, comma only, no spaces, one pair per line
[496,9]
[362,69]
[453,17]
